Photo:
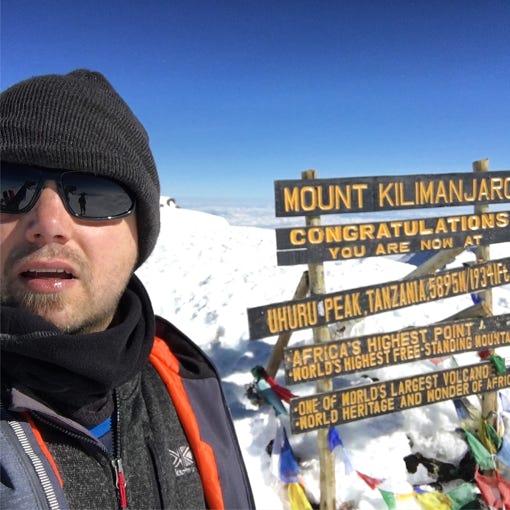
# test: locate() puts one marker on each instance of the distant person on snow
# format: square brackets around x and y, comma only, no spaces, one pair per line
[104,405]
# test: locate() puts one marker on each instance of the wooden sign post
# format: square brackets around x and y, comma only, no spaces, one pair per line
[320,335]
[490,399]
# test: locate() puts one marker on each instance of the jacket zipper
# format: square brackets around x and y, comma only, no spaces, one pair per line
[37,464]
[115,460]
[120,479]
[120,482]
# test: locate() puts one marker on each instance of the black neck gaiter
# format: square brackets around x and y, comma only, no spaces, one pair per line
[76,374]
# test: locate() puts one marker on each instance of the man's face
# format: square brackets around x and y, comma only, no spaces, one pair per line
[69,271]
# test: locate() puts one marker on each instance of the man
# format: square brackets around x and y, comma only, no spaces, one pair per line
[103,405]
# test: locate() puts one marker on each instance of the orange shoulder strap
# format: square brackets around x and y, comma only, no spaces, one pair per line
[168,368]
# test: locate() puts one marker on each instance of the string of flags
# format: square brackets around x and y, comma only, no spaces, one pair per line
[285,467]
[260,375]
[487,444]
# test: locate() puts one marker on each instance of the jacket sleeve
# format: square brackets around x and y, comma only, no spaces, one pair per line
[28,481]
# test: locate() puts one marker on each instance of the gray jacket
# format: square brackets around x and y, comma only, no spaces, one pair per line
[158,470]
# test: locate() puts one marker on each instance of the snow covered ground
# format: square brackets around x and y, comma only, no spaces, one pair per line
[204,274]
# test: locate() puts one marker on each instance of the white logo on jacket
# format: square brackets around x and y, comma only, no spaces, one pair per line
[183,461]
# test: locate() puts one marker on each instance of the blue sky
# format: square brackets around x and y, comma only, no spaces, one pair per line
[238,93]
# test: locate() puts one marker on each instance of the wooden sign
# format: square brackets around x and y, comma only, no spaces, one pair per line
[378,398]
[378,350]
[363,194]
[304,245]
[325,309]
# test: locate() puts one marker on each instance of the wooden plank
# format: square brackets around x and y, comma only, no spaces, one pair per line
[369,194]
[378,350]
[300,245]
[324,309]
[437,261]
[478,310]
[369,400]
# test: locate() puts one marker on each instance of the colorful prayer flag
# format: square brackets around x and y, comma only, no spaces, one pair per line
[433,501]
[260,372]
[499,364]
[270,397]
[461,495]
[491,440]
[297,497]
[289,469]
[389,499]
[504,489]
[373,483]
[483,458]
[277,449]
[493,489]
[334,438]
[504,452]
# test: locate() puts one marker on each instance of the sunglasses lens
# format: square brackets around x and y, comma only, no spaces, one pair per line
[18,187]
[86,196]
[93,197]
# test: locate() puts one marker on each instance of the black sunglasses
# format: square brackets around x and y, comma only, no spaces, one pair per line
[84,195]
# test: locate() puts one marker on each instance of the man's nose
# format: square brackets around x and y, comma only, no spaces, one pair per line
[49,221]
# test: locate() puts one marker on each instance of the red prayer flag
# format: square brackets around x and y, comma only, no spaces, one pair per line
[373,483]
[495,490]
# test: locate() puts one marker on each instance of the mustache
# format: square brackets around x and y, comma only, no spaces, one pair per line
[27,253]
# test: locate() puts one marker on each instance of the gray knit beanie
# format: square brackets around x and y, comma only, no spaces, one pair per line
[77,121]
